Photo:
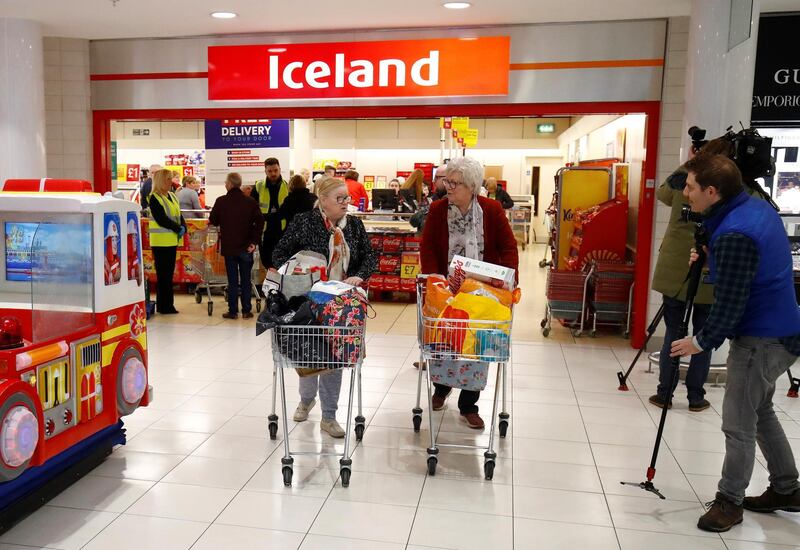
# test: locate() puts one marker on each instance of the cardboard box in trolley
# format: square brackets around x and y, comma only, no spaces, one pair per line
[495,275]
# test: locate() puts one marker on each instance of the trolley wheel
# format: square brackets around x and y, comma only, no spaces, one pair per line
[198,298]
[273,430]
[417,421]
[287,475]
[545,332]
[503,426]
[488,469]
[626,334]
[432,465]
[542,263]
[577,333]
[543,323]
[359,432]
[593,333]
[345,473]
[210,309]
[258,305]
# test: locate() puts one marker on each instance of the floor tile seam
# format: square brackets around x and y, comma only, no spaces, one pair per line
[594,459]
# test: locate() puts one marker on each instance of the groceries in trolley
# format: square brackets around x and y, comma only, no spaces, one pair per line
[496,275]
[297,275]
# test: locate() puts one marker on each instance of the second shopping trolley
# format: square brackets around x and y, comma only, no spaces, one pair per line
[312,347]
[444,340]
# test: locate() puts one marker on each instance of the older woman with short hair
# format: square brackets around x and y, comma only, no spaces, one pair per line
[465,224]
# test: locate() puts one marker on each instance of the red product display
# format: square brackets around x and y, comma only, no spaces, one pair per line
[376,241]
[411,242]
[376,282]
[388,264]
[408,285]
[391,283]
[601,233]
[392,243]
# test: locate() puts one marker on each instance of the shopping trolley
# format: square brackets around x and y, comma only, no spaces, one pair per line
[317,347]
[442,339]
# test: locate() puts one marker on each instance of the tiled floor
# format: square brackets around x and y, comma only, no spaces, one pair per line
[200,472]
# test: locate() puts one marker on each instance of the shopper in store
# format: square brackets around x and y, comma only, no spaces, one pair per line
[494,191]
[299,200]
[357,190]
[411,193]
[241,225]
[754,305]
[306,173]
[167,228]
[270,193]
[669,279]
[342,239]
[189,198]
[147,186]
[468,225]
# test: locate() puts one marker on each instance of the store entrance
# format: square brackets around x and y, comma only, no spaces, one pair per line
[383,143]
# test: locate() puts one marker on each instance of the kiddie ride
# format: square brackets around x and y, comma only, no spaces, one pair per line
[73,341]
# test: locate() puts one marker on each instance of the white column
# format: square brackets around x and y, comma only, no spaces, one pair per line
[22,139]
[301,147]
[719,82]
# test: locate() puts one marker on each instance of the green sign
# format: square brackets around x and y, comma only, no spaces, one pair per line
[545,128]
[113,160]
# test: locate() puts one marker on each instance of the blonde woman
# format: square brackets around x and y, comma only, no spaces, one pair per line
[167,228]
[342,239]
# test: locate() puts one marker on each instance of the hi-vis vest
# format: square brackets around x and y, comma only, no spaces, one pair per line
[161,236]
[264,197]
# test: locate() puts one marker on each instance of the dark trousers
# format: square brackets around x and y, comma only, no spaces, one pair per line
[700,362]
[467,399]
[267,246]
[239,269]
[164,258]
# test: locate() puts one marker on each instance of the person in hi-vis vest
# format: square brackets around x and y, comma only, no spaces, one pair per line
[270,193]
[167,228]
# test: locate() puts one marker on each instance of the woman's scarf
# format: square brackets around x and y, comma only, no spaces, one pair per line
[465,231]
[338,249]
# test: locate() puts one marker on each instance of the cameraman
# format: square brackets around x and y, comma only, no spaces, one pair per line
[754,305]
[669,278]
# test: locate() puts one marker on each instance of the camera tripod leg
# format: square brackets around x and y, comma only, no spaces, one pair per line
[623,378]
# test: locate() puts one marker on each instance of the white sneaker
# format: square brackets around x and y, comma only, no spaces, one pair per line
[301,412]
[332,427]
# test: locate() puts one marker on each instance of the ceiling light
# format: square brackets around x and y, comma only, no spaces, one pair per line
[223,15]
[456,5]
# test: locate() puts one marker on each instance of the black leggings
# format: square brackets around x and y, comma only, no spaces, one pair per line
[164,258]
[467,399]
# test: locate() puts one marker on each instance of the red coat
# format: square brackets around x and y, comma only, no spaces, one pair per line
[357,192]
[500,246]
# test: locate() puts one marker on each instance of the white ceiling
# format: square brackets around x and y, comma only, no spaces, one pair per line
[98,19]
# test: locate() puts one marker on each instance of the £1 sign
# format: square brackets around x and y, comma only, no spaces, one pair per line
[396,68]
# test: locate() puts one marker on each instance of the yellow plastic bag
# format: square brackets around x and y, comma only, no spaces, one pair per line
[479,288]
[478,308]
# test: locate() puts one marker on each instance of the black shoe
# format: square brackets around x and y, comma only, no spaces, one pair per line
[658,401]
[230,315]
[770,501]
[721,516]
[699,406]
[172,311]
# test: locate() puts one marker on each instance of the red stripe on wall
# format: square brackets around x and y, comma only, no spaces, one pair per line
[612,63]
[148,76]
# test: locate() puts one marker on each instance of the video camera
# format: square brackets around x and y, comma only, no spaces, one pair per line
[752,153]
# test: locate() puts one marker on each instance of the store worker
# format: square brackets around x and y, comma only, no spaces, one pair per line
[270,194]
[330,171]
[300,199]
[342,239]
[356,189]
[670,280]
[750,264]
[167,228]
[189,198]
[411,193]
[241,225]
[147,186]
[494,191]
[465,224]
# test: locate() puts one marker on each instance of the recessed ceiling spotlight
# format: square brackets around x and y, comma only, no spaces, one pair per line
[456,5]
[276,50]
[223,15]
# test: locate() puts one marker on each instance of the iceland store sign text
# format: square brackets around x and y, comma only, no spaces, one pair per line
[776,90]
[397,68]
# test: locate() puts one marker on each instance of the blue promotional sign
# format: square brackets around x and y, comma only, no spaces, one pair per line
[246,133]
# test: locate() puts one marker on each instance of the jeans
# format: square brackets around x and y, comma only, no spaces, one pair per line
[329,384]
[164,260]
[239,269]
[754,364]
[467,399]
[699,363]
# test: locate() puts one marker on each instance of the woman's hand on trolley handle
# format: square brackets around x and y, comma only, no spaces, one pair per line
[355,281]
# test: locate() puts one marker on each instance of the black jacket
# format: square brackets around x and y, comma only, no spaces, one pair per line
[503,198]
[297,202]
[307,232]
[240,221]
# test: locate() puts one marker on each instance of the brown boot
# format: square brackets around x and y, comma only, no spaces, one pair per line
[770,501]
[721,516]
[437,402]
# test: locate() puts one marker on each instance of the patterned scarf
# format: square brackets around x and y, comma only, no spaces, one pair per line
[338,249]
[465,232]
